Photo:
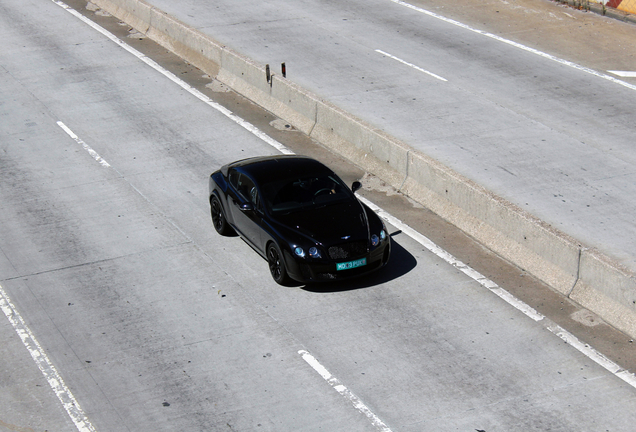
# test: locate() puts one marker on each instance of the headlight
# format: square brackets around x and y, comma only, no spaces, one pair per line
[313,252]
[375,240]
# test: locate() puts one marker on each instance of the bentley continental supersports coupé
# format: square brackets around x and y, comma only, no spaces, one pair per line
[300,216]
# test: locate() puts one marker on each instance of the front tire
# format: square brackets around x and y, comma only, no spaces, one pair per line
[218,218]
[277,265]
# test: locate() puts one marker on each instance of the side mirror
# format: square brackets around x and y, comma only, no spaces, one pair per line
[247,207]
[356,185]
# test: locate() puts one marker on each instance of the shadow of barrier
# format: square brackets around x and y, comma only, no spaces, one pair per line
[587,276]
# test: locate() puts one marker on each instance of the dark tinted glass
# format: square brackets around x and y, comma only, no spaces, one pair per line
[301,193]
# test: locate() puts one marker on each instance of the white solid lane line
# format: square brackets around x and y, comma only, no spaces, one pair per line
[450,259]
[68,401]
[411,65]
[42,361]
[172,77]
[516,44]
[569,338]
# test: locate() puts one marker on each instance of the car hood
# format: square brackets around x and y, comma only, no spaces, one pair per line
[329,225]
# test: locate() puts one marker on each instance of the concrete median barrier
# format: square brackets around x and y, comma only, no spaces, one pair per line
[607,290]
[586,276]
[497,224]
[134,13]
[365,146]
[186,42]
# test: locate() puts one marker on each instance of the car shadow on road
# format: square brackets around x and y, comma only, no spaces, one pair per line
[400,263]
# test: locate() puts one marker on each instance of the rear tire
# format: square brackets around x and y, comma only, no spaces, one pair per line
[218,218]
[277,265]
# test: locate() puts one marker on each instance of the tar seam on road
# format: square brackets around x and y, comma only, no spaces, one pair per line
[40,358]
[68,401]
[517,45]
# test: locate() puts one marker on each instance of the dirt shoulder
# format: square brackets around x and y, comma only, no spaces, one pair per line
[587,38]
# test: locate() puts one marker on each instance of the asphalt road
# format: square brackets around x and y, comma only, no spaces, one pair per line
[155,323]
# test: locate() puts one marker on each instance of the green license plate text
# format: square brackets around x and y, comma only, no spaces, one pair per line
[351,264]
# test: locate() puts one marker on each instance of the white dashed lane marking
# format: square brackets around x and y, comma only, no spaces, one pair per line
[411,65]
[72,406]
[42,361]
[624,74]
[516,45]
[344,391]
[90,151]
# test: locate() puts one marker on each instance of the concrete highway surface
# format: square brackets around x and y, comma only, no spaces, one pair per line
[127,312]
[500,91]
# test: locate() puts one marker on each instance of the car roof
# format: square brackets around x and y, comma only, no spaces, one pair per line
[272,168]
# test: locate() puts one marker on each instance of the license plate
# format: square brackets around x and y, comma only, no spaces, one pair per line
[351,264]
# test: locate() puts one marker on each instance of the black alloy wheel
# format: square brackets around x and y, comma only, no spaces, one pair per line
[218,219]
[277,265]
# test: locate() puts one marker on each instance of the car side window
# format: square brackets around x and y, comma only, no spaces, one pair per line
[242,184]
[244,187]
[247,189]
[233,178]
[255,198]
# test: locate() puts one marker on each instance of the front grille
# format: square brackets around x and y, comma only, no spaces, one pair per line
[348,250]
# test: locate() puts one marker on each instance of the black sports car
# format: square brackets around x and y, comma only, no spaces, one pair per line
[300,216]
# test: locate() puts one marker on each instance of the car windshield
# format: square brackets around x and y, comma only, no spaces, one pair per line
[294,194]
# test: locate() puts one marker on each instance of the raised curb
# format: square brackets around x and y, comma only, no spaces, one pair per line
[601,9]
[585,275]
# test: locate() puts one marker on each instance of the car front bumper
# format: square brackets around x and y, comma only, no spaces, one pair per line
[306,271]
